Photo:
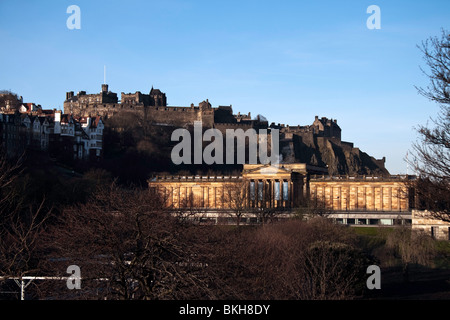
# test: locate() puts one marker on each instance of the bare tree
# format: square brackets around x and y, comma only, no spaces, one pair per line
[19,232]
[312,208]
[436,51]
[333,270]
[236,195]
[22,222]
[431,155]
[190,208]
[295,259]
[129,238]
[266,214]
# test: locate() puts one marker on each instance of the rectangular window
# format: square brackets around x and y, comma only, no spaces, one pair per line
[252,190]
[434,231]
[277,190]
[285,190]
[260,190]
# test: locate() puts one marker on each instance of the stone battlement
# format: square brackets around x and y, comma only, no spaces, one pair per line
[371,178]
[153,107]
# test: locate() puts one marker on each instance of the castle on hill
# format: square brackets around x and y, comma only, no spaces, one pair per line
[318,143]
[153,108]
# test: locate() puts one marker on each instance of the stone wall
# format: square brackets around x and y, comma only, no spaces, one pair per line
[375,194]
[360,193]
[233,126]
[194,192]
[180,116]
[423,221]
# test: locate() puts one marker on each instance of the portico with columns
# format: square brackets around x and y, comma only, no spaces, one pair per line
[286,187]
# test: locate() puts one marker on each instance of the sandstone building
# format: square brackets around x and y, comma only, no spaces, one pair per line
[422,220]
[281,191]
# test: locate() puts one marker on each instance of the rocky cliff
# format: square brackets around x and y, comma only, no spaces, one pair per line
[340,157]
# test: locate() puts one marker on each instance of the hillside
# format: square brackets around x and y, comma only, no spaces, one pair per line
[341,158]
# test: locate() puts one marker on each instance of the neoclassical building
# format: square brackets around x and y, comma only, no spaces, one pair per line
[423,220]
[284,190]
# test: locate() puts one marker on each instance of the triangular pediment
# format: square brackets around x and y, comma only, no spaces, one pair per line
[265,169]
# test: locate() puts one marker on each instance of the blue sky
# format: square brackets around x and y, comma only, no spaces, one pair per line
[286,60]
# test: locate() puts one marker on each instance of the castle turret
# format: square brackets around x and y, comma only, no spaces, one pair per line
[157,98]
[204,105]
[69,95]
[326,127]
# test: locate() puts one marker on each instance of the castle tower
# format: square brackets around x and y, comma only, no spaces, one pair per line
[157,98]
[104,88]
[69,95]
